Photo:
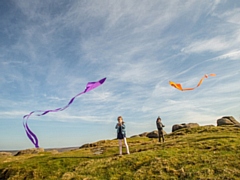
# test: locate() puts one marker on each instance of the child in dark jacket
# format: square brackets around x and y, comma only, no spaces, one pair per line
[160,129]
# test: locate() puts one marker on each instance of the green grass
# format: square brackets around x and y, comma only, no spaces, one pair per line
[197,153]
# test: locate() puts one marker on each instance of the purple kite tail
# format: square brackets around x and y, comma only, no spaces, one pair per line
[33,138]
[29,133]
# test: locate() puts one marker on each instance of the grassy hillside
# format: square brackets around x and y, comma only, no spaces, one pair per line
[197,153]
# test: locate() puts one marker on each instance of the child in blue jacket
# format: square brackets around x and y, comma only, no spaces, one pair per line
[121,134]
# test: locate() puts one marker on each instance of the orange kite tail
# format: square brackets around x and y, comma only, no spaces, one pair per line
[179,86]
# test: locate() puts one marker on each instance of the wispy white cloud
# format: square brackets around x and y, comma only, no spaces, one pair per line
[232,55]
[210,45]
[201,119]
[6,115]
[232,16]
[68,117]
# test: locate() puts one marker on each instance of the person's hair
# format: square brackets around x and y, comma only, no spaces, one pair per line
[121,118]
[158,118]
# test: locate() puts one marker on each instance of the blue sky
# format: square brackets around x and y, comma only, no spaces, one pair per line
[51,49]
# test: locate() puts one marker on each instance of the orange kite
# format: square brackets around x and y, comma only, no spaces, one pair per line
[179,86]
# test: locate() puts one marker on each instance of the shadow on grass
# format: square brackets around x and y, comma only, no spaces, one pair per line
[211,138]
[85,157]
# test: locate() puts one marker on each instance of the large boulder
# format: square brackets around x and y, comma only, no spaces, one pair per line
[88,145]
[227,120]
[143,134]
[184,125]
[154,134]
[176,127]
[30,151]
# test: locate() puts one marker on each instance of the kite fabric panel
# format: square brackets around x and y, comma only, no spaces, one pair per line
[90,86]
[179,86]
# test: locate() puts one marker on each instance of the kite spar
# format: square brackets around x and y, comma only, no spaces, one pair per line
[179,86]
[90,86]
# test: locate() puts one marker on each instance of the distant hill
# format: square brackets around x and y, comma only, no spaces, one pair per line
[14,152]
[193,153]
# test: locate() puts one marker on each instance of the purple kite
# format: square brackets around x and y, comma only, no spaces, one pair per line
[90,86]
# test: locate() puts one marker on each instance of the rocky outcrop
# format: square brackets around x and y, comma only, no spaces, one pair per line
[30,151]
[88,145]
[227,120]
[5,154]
[184,125]
[143,134]
[154,134]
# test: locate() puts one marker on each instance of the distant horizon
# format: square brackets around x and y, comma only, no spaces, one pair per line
[78,146]
[49,149]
